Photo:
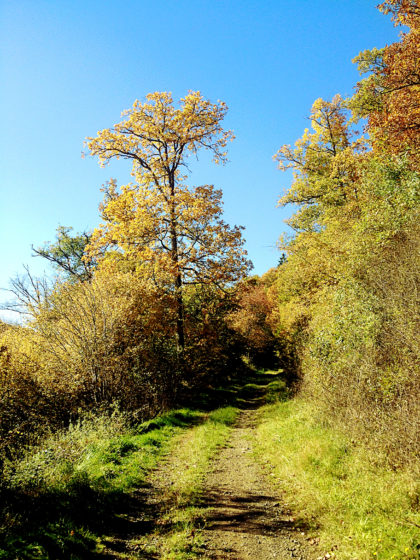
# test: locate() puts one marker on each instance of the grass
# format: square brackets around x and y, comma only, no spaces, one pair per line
[68,498]
[188,466]
[192,455]
[78,495]
[358,506]
[191,459]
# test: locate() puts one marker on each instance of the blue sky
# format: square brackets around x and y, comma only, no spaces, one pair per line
[68,69]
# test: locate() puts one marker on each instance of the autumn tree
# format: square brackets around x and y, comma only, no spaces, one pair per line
[168,233]
[325,189]
[403,12]
[323,175]
[250,319]
[347,295]
[389,95]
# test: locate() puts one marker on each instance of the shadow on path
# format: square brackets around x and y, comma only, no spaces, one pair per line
[250,391]
[246,513]
[244,518]
[85,521]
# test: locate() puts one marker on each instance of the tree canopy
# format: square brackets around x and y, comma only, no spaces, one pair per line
[168,233]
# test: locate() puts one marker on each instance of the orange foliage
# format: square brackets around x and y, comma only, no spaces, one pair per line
[396,122]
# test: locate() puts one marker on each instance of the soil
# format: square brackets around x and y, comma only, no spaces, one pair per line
[246,518]
[243,516]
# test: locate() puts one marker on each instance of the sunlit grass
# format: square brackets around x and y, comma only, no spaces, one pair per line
[80,478]
[359,506]
[76,479]
[189,464]
[193,453]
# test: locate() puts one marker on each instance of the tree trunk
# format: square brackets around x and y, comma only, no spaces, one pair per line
[180,334]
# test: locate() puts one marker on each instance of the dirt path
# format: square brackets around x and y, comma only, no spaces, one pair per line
[246,519]
[237,513]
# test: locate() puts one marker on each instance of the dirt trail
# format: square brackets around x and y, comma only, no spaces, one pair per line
[246,519]
[241,513]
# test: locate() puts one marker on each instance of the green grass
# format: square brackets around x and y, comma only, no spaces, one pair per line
[194,451]
[188,466]
[78,494]
[191,461]
[67,496]
[349,496]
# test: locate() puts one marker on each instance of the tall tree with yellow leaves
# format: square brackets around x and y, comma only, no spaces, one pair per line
[169,233]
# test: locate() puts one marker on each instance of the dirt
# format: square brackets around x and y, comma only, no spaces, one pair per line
[246,518]
[242,518]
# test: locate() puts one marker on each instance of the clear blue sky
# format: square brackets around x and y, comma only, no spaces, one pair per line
[68,69]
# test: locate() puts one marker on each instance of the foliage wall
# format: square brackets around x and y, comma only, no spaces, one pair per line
[348,293]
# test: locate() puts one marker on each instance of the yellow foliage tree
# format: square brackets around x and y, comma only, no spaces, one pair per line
[389,95]
[167,232]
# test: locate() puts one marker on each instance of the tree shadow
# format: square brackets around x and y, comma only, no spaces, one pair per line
[63,525]
[87,521]
[249,391]
[250,512]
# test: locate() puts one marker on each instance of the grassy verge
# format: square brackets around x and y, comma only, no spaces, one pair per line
[69,497]
[179,536]
[82,492]
[359,507]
